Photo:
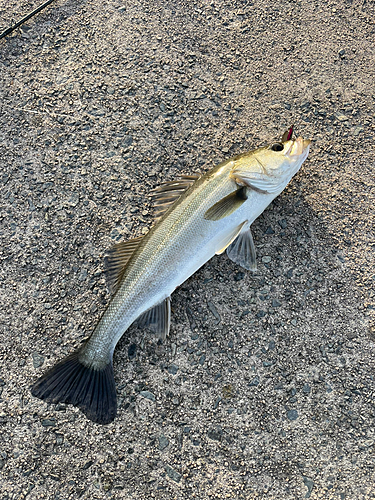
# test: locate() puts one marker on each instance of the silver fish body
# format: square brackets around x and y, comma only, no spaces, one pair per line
[209,217]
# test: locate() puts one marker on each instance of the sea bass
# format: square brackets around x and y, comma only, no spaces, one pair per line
[198,217]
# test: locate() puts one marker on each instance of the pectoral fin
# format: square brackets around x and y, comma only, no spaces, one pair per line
[158,318]
[242,251]
[226,206]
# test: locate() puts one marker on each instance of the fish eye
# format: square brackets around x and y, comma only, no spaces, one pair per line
[277,146]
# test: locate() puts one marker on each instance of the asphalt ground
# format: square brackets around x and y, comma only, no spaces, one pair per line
[265,387]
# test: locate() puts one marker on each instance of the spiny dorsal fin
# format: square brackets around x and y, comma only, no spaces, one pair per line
[167,193]
[158,318]
[242,251]
[116,260]
[226,206]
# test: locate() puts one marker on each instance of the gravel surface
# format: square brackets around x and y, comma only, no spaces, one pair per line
[265,387]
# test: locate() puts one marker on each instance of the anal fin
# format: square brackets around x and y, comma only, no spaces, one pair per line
[242,251]
[158,318]
[229,238]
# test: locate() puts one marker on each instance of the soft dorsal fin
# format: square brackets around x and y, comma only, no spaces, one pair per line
[242,251]
[158,318]
[167,193]
[116,260]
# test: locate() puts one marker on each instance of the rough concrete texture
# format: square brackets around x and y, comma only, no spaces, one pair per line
[265,387]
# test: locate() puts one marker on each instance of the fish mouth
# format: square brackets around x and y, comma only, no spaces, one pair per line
[299,147]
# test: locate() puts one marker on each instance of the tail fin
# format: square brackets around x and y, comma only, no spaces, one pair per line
[70,381]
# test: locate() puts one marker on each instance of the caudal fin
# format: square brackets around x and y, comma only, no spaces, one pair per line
[70,381]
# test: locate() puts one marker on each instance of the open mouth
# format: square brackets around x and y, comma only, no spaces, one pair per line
[298,147]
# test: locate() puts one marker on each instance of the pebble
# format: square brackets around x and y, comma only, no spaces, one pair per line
[172,369]
[147,395]
[275,303]
[38,360]
[239,276]
[357,130]
[214,311]
[215,433]
[292,414]
[49,422]
[306,389]
[266,259]
[283,223]
[176,476]
[341,117]
[163,442]
[261,314]
[309,483]
[132,351]
[254,382]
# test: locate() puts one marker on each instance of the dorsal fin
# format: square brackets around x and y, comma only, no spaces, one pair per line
[117,258]
[169,192]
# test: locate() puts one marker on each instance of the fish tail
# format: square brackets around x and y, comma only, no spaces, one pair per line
[91,390]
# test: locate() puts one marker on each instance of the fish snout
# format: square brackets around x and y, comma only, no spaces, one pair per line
[299,147]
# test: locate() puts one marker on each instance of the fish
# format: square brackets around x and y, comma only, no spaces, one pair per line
[197,216]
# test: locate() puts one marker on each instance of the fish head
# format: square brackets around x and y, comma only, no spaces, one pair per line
[284,158]
[269,169]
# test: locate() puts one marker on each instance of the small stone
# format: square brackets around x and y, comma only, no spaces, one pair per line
[176,476]
[49,422]
[132,351]
[306,389]
[283,223]
[147,395]
[202,359]
[163,442]
[38,360]
[215,433]
[127,141]
[309,483]
[342,52]
[173,369]
[214,311]
[292,414]
[357,131]
[59,439]
[261,314]
[266,259]
[269,230]
[254,382]
[275,303]
[341,117]
[239,276]
[83,275]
